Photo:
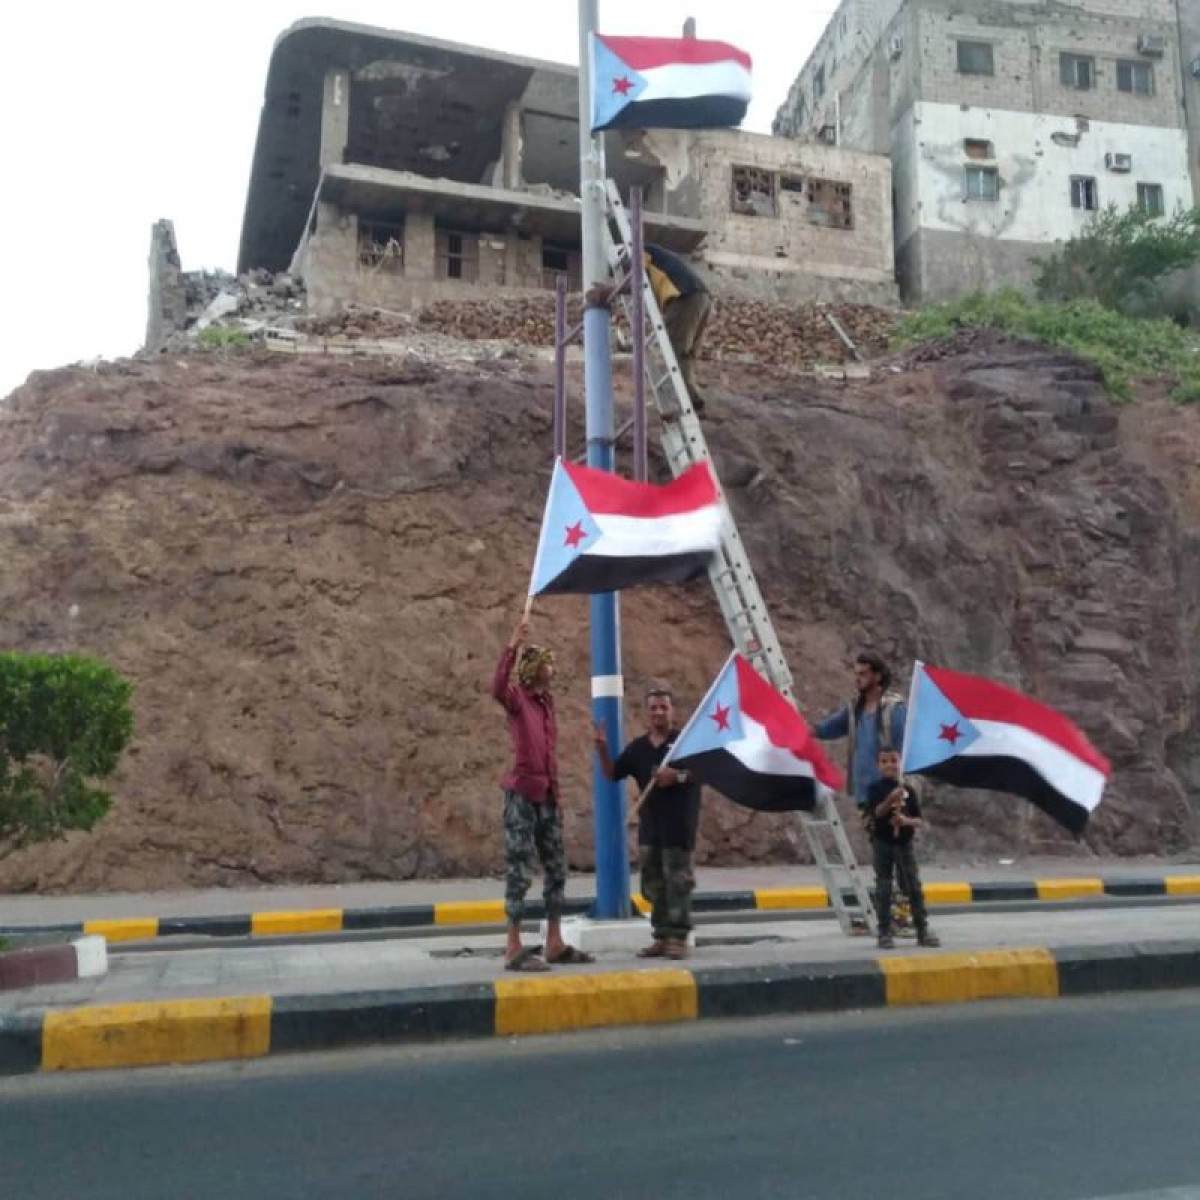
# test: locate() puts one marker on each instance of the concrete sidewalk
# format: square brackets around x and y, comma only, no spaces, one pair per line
[193,1005]
[329,908]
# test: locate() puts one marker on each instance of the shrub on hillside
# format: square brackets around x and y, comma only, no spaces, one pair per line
[1124,348]
[64,722]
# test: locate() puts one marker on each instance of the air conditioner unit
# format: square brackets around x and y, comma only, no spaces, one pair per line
[1152,45]
[896,48]
[1118,162]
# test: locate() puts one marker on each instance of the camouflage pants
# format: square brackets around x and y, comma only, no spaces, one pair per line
[530,828]
[667,883]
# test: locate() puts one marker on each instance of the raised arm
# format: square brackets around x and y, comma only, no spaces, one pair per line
[503,689]
[834,726]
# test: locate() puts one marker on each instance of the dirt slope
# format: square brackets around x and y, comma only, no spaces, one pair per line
[308,564]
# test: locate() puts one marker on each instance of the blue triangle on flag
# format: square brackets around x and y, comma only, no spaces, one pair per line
[718,720]
[567,531]
[615,85]
[935,730]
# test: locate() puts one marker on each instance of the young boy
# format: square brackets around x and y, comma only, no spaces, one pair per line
[895,814]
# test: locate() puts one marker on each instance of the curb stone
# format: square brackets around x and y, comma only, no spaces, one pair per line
[159,1032]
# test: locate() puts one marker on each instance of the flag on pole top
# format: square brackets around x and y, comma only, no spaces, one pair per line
[667,83]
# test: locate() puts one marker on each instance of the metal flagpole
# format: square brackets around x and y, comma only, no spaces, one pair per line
[612,860]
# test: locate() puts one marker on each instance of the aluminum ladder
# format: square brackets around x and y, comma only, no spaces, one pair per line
[732,577]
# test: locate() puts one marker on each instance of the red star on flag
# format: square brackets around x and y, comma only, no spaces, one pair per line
[575,535]
[721,716]
[950,733]
[622,86]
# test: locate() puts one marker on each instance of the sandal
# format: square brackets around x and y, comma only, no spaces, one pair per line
[525,959]
[570,957]
[676,950]
[656,949]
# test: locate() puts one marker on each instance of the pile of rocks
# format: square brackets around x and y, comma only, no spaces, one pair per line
[740,330]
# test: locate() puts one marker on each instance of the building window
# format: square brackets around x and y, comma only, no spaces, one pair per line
[381,246]
[1150,198]
[458,256]
[561,260]
[1136,78]
[1077,72]
[975,58]
[753,193]
[1083,193]
[981,183]
[829,204]
[978,148]
[819,83]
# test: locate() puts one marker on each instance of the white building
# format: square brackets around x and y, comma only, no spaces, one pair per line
[1007,121]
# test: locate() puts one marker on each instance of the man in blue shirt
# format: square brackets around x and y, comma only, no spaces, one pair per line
[872,719]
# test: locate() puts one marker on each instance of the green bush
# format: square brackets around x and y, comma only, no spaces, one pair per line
[64,722]
[1124,348]
[220,337]
[1120,258]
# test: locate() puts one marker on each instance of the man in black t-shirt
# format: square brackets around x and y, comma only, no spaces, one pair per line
[667,823]
[894,813]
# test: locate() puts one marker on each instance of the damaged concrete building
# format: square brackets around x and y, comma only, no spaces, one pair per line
[1008,122]
[392,170]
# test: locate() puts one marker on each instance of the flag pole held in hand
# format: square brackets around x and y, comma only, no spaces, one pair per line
[635,807]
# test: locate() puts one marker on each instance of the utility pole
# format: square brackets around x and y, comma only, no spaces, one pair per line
[612,858]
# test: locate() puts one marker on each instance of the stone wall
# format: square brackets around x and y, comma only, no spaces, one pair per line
[818,220]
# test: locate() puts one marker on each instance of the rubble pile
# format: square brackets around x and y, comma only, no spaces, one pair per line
[739,330]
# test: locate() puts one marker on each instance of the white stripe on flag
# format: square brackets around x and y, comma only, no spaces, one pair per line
[678,533]
[756,752]
[1078,781]
[680,81]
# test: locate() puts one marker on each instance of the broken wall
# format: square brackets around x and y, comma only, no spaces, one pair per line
[794,221]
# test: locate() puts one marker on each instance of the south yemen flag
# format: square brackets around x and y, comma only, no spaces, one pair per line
[601,533]
[667,83]
[750,744]
[974,733]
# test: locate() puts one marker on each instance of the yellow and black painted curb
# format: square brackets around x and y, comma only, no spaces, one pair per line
[491,912]
[186,1031]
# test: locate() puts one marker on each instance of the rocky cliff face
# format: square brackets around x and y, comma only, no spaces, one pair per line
[308,565]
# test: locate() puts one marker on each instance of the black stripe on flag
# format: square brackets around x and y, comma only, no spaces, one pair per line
[763,793]
[593,573]
[694,112]
[1012,775]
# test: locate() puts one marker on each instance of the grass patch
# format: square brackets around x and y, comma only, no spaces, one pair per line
[1124,348]
[222,338]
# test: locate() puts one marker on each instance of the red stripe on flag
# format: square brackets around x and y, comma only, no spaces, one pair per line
[982,700]
[644,54]
[606,494]
[784,725]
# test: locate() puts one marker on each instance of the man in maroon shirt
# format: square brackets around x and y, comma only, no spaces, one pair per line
[532,816]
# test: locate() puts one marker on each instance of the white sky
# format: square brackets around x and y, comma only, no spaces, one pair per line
[118,113]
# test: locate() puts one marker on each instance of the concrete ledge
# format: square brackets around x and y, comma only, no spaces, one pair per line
[271,923]
[139,1034]
[81,958]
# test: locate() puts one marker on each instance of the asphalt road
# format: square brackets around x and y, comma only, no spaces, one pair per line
[1058,1100]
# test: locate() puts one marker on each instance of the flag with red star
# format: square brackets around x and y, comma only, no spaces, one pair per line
[667,83]
[971,732]
[747,741]
[601,533]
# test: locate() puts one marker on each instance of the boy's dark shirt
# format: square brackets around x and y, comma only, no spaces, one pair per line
[670,816]
[881,827]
